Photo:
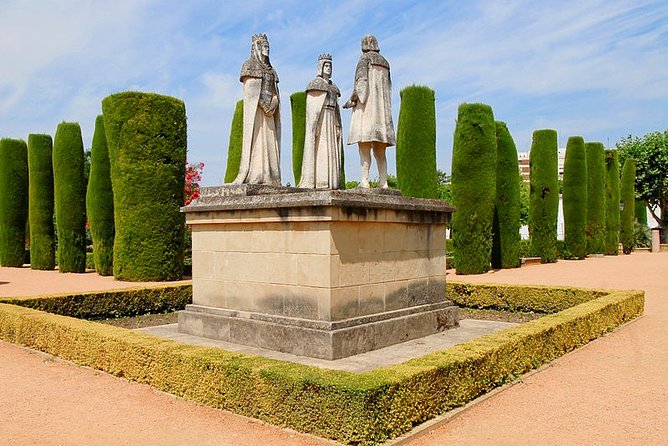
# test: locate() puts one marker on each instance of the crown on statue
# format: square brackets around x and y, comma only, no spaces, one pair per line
[259,38]
[325,57]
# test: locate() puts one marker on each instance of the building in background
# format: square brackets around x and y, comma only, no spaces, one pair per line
[523,164]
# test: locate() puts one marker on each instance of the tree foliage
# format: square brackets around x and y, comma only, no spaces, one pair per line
[42,234]
[544,195]
[611,202]
[236,141]
[13,201]
[627,199]
[298,108]
[575,198]
[595,197]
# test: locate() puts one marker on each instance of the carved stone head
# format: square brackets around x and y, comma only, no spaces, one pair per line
[325,66]
[370,43]
[260,47]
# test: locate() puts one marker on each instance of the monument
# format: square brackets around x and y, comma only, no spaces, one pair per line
[313,270]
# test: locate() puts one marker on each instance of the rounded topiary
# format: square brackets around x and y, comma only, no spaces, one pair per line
[473,187]
[416,143]
[544,195]
[42,235]
[595,197]
[506,245]
[236,141]
[13,201]
[100,202]
[575,198]
[627,199]
[298,108]
[70,197]
[147,140]
[611,202]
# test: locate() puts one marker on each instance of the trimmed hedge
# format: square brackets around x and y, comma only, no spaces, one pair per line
[363,409]
[100,202]
[595,197]
[13,201]
[416,143]
[544,195]
[70,197]
[236,141]
[473,187]
[627,198]
[41,204]
[147,140]
[506,242]
[611,202]
[575,198]
[112,303]
[298,108]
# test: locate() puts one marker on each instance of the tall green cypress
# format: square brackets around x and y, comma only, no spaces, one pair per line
[595,197]
[575,198]
[298,108]
[70,197]
[147,140]
[416,143]
[544,195]
[100,202]
[641,210]
[236,141]
[506,245]
[13,201]
[473,187]
[40,191]
[611,202]
[627,199]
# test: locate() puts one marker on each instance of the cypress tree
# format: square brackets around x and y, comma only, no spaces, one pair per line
[473,187]
[641,210]
[147,140]
[70,197]
[298,108]
[100,202]
[595,197]
[13,201]
[40,192]
[544,195]
[575,198]
[236,141]
[506,245]
[611,202]
[416,143]
[627,198]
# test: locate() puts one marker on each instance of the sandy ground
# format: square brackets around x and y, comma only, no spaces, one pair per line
[612,391]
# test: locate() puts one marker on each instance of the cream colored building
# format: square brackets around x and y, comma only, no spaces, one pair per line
[523,164]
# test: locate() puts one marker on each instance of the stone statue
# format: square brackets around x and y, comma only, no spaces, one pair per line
[371,123]
[261,145]
[321,166]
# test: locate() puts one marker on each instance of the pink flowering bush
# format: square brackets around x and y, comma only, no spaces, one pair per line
[193,177]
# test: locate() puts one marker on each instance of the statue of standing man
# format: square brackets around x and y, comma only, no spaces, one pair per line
[261,147]
[371,124]
[321,167]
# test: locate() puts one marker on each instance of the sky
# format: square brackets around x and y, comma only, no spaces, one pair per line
[594,68]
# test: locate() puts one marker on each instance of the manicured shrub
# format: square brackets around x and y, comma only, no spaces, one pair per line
[42,235]
[416,143]
[575,198]
[611,202]
[473,187]
[100,202]
[627,199]
[595,197]
[298,108]
[70,197]
[544,195]
[236,141]
[506,244]
[146,136]
[641,209]
[13,201]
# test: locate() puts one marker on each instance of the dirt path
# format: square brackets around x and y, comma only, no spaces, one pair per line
[612,391]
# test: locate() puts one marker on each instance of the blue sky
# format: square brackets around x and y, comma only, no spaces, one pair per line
[596,68]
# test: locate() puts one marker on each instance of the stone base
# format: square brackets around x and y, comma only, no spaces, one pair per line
[318,339]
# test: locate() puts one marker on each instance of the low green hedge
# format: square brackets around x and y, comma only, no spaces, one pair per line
[538,299]
[110,304]
[364,409]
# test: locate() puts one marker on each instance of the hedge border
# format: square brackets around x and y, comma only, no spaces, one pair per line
[366,408]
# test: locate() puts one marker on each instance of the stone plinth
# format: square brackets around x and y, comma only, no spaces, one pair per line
[326,274]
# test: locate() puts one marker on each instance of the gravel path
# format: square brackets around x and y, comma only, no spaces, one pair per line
[612,391]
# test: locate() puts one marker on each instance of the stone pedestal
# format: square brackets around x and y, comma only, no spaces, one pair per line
[656,240]
[325,274]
